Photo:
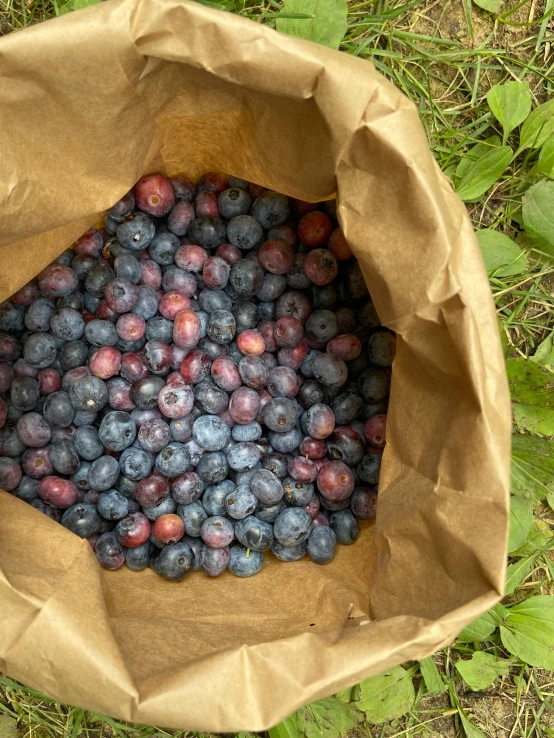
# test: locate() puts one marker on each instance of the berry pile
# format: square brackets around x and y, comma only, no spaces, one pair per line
[201,381]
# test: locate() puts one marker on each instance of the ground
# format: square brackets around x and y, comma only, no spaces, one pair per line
[445,55]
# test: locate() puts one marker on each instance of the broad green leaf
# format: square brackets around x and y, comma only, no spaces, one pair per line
[431,676]
[538,214]
[78,4]
[328,718]
[538,127]
[510,104]
[528,632]
[288,728]
[347,695]
[530,383]
[478,630]
[483,173]
[545,163]
[386,696]
[481,670]
[471,731]
[476,152]
[521,519]
[327,27]
[550,498]
[545,352]
[534,419]
[538,538]
[532,467]
[493,6]
[501,255]
[517,572]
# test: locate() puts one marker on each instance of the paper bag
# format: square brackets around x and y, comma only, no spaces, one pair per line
[88,103]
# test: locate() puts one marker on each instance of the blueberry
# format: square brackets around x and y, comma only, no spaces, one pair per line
[187,488]
[147,304]
[271,288]
[322,544]
[137,558]
[80,477]
[373,384]
[233,202]
[246,316]
[109,552]
[277,464]
[266,310]
[246,277]
[73,354]
[249,432]
[346,407]
[163,246]
[369,467]
[214,561]
[117,430]
[245,563]
[39,350]
[38,314]
[173,460]
[211,432]
[245,232]
[210,399]
[87,443]
[269,513]
[193,516]
[243,456]
[280,415]
[173,561]
[330,370]
[144,392]
[136,232]
[24,393]
[293,526]
[82,519]
[221,326]
[87,393]
[11,317]
[289,553]
[67,323]
[103,473]
[240,503]
[270,209]
[214,498]
[267,487]
[97,279]
[127,266]
[135,463]
[165,507]
[159,328]
[286,443]
[210,300]
[345,526]
[64,457]
[297,494]
[254,533]
[207,231]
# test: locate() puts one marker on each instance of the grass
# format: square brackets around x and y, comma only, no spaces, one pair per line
[445,55]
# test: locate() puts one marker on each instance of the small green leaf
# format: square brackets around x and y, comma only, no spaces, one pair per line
[538,538]
[493,6]
[501,255]
[431,676]
[545,352]
[386,696]
[538,127]
[538,214]
[328,718]
[521,519]
[471,731]
[288,728]
[327,26]
[478,630]
[545,163]
[528,632]
[476,152]
[8,727]
[517,572]
[484,172]
[481,670]
[510,104]
[532,467]
[347,695]
[532,390]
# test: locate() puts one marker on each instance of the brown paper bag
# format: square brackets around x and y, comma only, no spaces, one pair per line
[88,104]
